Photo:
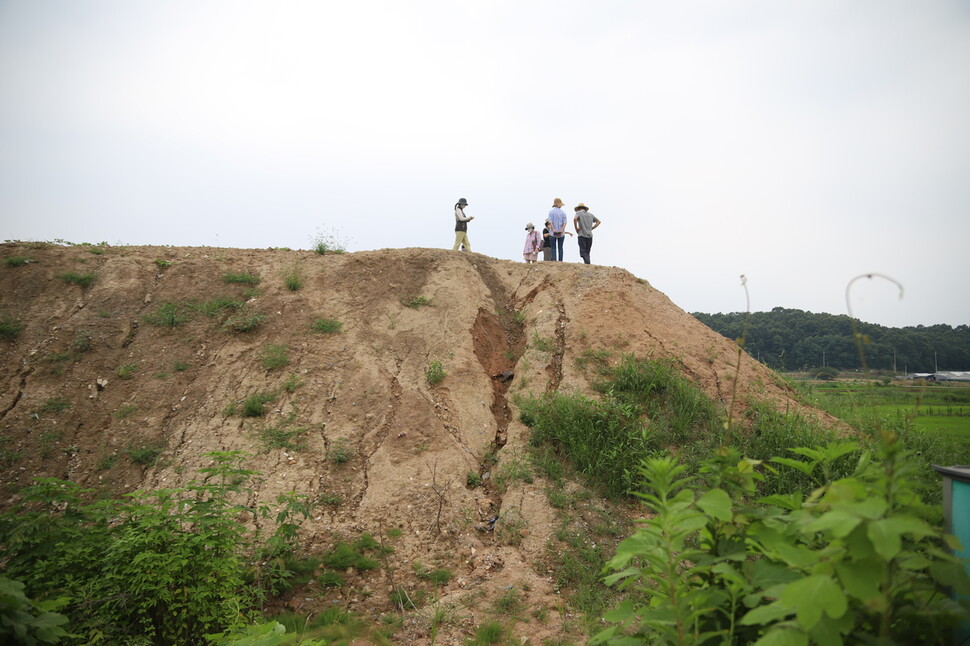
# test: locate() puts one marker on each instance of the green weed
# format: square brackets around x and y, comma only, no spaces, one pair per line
[274,356]
[326,326]
[340,451]
[255,404]
[16,261]
[244,278]
[54,405]
[74,278]
[167,315]
[124,411]
[416,302]
[243,322]
[435,373]
[293,279]
[10,328]
[127,371]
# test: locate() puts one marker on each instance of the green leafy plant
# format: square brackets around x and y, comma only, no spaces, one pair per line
[435,373]
[163,264]
[25,621]
[146,454]
[82,342]
[854,562]
[162,567]
[340,451]
[16,261]
[74,278]
[327,326]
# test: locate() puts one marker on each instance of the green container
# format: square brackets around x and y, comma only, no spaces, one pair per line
[956,511]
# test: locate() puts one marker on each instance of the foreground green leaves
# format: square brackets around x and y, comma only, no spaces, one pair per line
[854,562]
[163,567]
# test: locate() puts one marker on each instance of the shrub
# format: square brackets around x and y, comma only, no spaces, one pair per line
[162,567]
[74,278]
[434,373]
[10,328]
[327,326]
[244,277]
[25,621]
[146,454]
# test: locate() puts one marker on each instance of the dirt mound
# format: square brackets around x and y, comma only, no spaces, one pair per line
[126,383]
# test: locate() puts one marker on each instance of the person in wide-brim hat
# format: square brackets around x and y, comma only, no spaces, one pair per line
[584,223]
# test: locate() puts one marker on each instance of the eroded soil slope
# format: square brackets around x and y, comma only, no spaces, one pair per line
[91,382]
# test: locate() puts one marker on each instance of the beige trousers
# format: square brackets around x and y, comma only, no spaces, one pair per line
[461,238]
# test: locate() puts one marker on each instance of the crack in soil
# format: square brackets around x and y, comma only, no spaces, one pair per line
[555,363]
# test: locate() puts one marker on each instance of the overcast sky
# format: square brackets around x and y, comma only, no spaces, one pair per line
[800,143]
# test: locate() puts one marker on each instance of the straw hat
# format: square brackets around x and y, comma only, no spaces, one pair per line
[581,206]
[529,226]
[557,202]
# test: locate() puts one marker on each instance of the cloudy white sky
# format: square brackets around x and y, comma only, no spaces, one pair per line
[800,143]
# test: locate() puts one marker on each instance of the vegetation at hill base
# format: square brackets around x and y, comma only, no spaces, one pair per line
[790,339]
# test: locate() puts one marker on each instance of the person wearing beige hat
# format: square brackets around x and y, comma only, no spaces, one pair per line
[557,217]
[533,242]
[584,223]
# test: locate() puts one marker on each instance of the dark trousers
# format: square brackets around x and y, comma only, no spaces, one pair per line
[557,246]
[585,244]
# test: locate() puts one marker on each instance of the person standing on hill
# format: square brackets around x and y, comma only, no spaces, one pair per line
[557,218]
[533,242]
[461,225]
[546,241]
[584,222]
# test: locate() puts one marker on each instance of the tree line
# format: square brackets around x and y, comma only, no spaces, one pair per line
[791,339]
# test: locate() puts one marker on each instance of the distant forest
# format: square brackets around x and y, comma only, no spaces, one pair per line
[787,339]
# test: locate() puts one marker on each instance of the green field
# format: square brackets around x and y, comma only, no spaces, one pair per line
[870,405]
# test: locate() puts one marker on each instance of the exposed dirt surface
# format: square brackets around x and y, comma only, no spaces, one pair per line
[91,378]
